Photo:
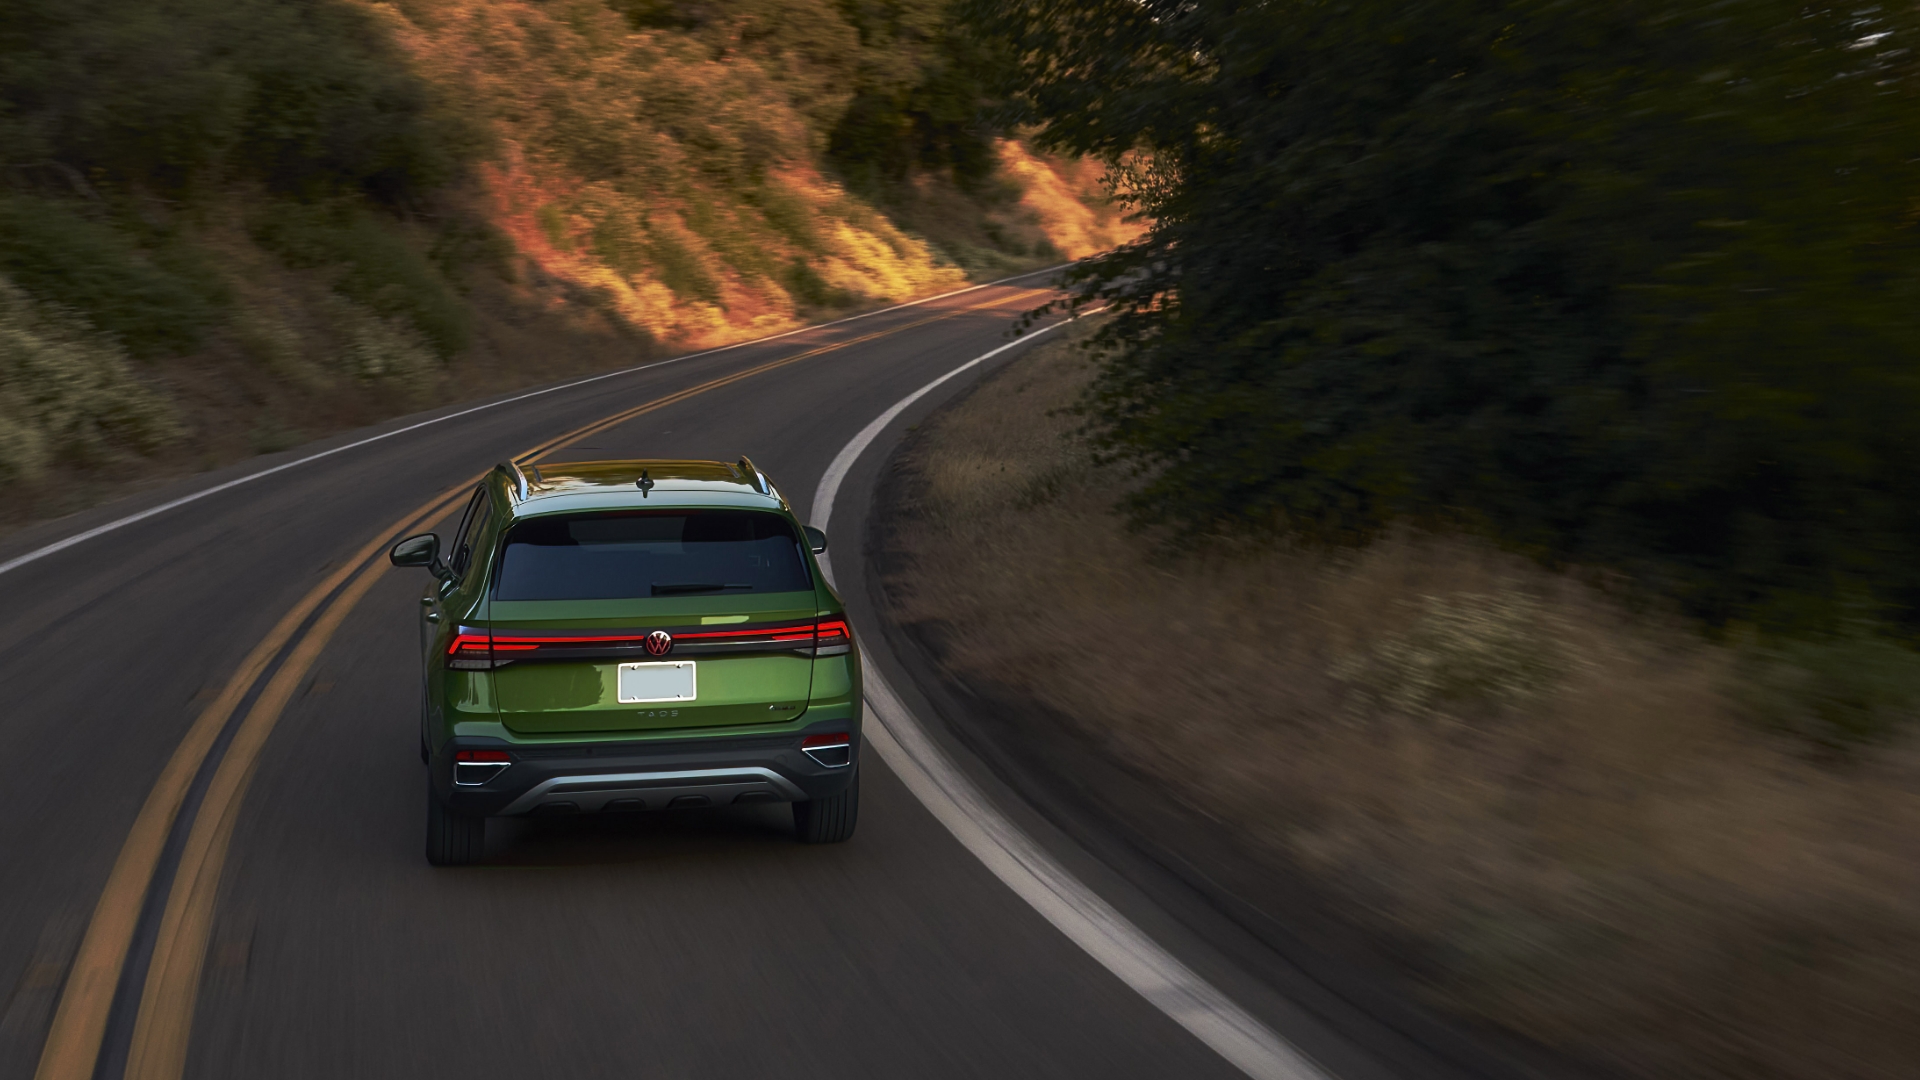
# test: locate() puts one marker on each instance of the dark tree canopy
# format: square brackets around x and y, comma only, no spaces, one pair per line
[1631,284]
[310,98]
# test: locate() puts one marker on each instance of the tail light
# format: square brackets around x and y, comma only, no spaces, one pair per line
[472,768]
[832,637]
[470,651]
[478,650]
[834,750]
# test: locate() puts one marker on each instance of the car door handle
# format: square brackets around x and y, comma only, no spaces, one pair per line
[433,616]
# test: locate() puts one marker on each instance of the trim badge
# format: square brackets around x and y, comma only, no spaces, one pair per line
[659,643]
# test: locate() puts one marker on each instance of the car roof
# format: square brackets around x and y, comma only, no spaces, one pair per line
[574,486]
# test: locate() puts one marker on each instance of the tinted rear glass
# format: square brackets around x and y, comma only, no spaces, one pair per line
[639,553]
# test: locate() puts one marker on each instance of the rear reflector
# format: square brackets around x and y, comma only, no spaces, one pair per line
[833,750]
[472,768]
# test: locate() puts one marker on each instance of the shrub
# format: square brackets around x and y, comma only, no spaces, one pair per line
[376,349]
[309,98]
[1625,283]
[375,263]
[807,287]
[155,303]
[68,393]
[119,101]
[1851,687]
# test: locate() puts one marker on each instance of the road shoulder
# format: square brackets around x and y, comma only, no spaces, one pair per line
[1177,870]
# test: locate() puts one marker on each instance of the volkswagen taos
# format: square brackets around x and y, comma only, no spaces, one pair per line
[629,636]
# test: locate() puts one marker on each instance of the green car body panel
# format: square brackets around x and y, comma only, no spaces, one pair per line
[757,673]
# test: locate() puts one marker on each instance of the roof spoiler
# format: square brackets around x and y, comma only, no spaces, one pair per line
[754,476]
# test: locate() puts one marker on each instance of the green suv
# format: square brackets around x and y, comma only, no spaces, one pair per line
[616,636]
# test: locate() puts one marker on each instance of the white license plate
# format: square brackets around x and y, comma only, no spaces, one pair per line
[670,681]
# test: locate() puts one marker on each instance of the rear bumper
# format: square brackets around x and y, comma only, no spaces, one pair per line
[613,777]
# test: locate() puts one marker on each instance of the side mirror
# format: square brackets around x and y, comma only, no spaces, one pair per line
[816,539]
[422,550]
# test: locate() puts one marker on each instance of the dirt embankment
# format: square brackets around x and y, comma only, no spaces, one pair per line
[1538,809]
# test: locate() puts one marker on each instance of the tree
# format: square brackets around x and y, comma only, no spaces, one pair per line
[1617,283]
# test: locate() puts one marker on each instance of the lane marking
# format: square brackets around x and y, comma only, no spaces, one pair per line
[80,1021]
[617,419]
[1026,868]
[822,509]
[153,511]
[164,1021]
[158,1052]
[1075,910]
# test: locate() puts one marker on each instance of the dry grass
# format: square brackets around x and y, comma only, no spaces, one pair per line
[297,362]
[684,184]
[653,191]
[1558,803]
[1058,197]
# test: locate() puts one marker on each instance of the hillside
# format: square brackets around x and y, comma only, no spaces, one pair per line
[228,228]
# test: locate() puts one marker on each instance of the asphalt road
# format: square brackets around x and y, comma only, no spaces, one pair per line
[702,944]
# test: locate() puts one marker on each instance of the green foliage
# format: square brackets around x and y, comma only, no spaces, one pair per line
[632,249]
[893,85]
[309,98]
[123,120]
[680,269]
[1619,283]
[922,98]
[809,288]
[67,393]
[806,45]
[1838,690]
[462,243]
[377,266]
[789,217]
[156,301]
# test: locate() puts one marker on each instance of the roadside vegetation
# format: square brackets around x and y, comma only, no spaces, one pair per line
[230,227]
[1625,285]
[1505,428]
[1550,810]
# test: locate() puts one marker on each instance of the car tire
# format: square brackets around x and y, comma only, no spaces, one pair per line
[829,820]
[425,759]
[453,839]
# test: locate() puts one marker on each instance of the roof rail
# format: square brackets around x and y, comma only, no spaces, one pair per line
[758,479]
[512,468]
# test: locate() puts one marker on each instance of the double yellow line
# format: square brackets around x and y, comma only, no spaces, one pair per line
[164,1020]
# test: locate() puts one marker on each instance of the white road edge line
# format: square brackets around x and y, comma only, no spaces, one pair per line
[1026,868]
[153,511]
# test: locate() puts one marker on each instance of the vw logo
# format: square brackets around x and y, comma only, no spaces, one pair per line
[659,643]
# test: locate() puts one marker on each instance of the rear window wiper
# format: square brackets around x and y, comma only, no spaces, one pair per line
[693,587]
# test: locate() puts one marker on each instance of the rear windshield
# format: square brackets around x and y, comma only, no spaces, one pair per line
[625,554]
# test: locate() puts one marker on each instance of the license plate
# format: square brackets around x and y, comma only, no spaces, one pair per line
[669,681]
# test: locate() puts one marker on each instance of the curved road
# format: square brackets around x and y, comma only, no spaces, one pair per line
[703,945]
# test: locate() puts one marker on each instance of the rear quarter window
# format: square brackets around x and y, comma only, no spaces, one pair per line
[629,554]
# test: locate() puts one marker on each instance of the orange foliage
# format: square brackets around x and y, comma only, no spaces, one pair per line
[679,185]
[1056,191]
